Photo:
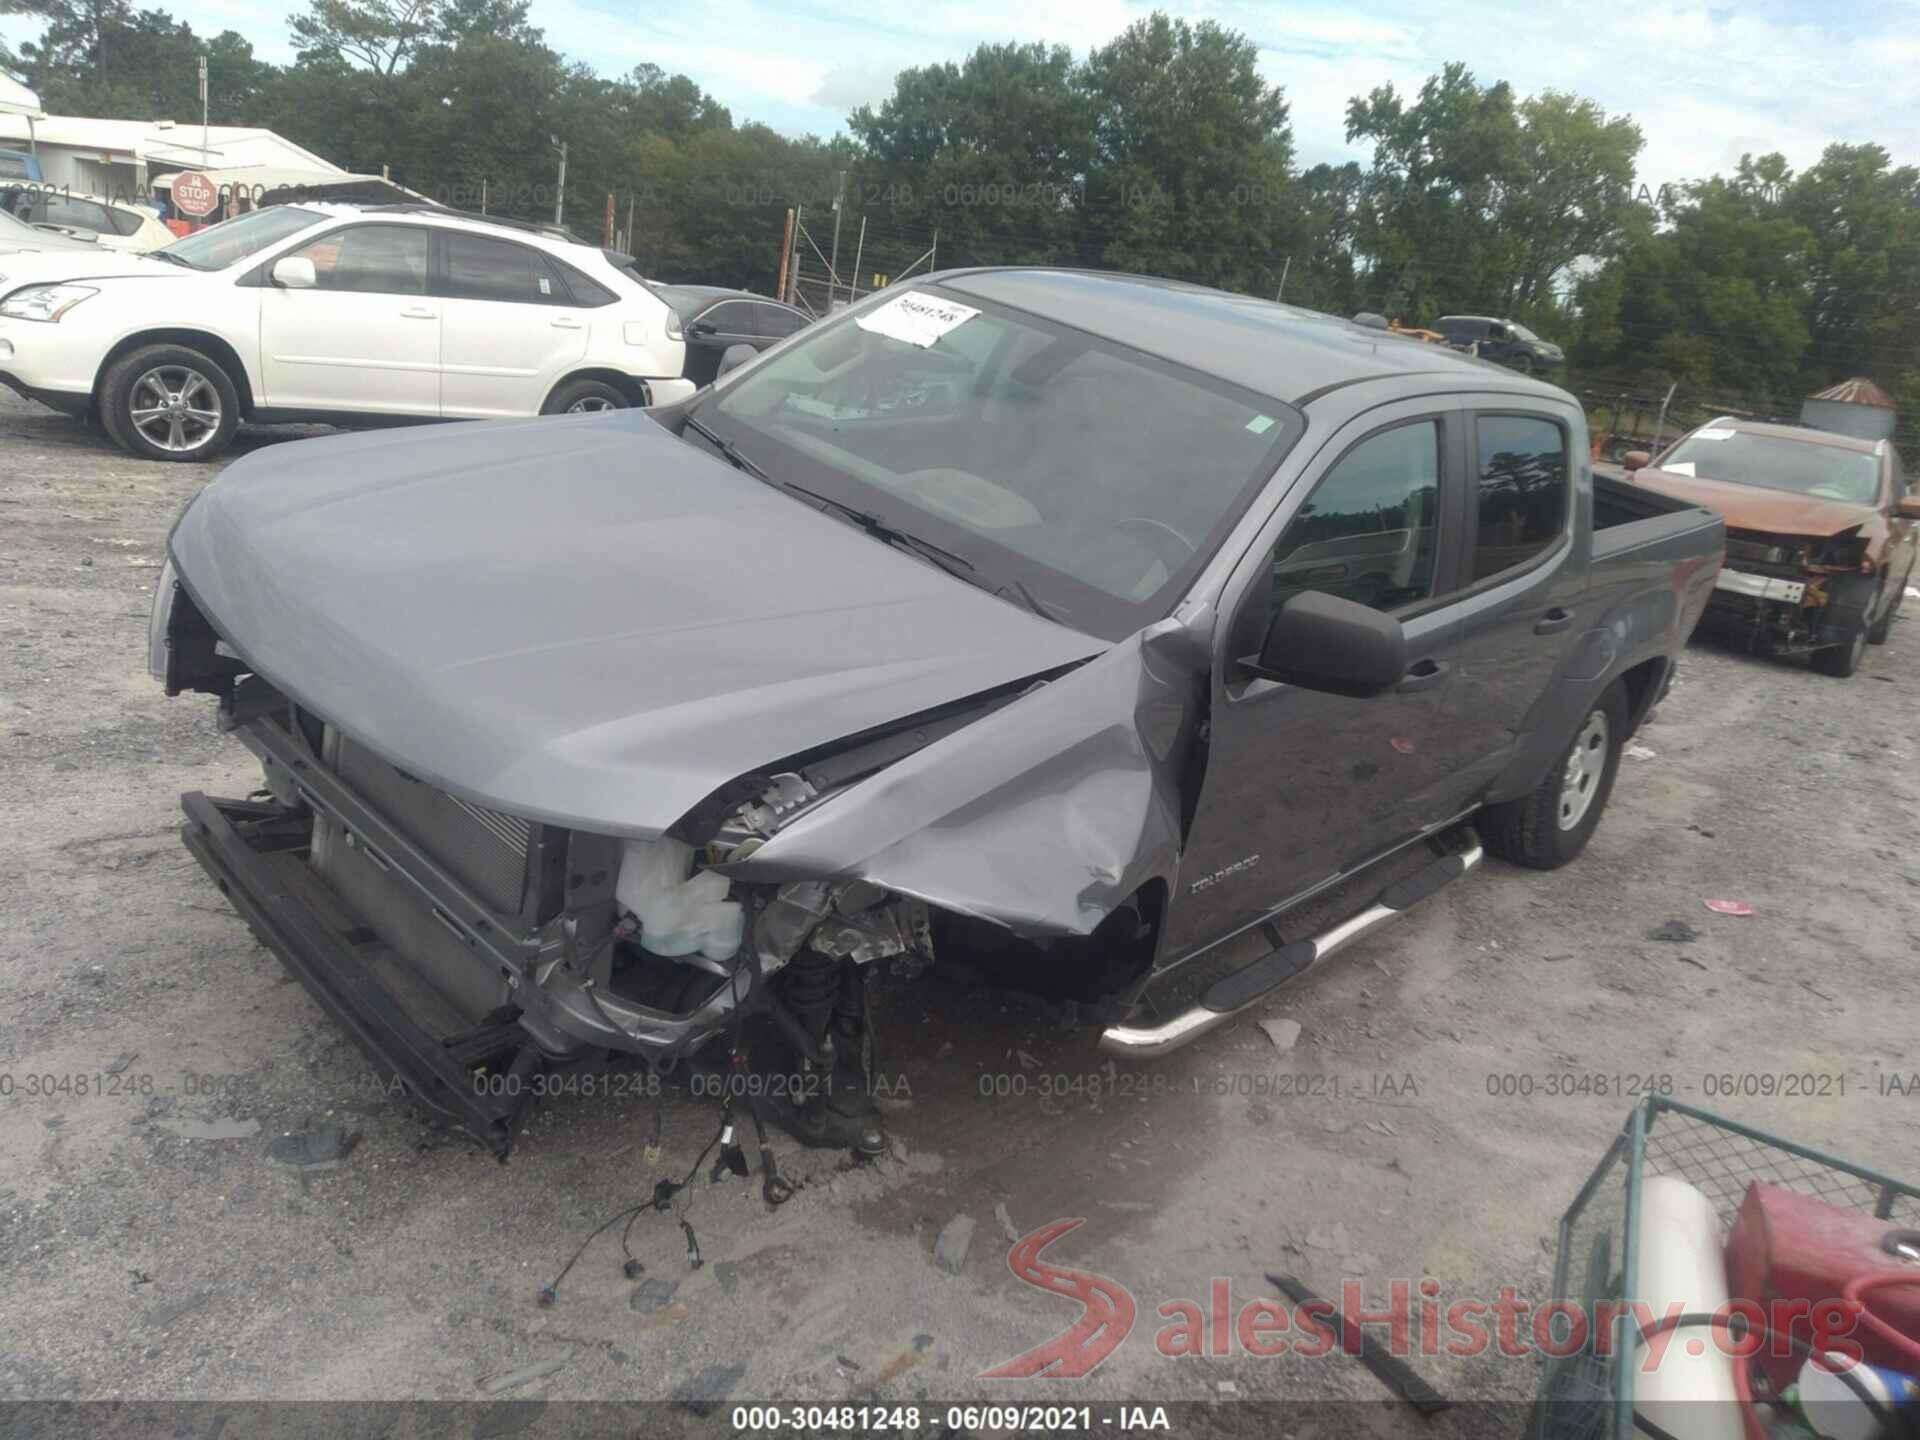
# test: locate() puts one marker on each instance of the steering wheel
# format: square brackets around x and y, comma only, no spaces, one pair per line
[1161,538]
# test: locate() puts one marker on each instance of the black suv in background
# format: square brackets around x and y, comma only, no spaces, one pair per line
[1507,341]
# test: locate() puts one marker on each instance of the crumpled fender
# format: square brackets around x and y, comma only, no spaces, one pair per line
[1043,816]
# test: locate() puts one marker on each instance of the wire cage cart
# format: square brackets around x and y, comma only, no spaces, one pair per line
[1588,1395]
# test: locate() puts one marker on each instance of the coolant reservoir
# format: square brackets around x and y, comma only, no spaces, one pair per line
[678,915]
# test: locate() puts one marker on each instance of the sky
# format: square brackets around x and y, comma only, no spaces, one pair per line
[1705,82]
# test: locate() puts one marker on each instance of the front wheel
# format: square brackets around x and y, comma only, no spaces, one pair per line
[1881,629]
[169,402]
[1550,826]
[1840,661]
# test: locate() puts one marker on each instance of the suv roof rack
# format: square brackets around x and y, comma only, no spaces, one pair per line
[533,227]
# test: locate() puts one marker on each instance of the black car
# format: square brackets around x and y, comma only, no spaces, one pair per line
[713,318]
[1506,341]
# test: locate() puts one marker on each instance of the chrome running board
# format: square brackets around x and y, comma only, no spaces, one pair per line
[1233,993]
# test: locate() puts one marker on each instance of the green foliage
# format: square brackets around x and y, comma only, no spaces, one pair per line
[1164,151]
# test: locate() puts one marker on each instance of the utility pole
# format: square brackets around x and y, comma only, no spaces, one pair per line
[560,189]
[853,286]
[203,110]
[627,244]
[833,265]
[1283,278]
[786,253]
[793,272]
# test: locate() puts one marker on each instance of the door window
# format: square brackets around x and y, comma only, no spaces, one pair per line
[61,209]
[777,321]
[1524,483]
[482,269]
[735,317]
[1370,530]
[370,259]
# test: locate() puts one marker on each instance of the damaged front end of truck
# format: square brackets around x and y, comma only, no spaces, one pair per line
[479,881]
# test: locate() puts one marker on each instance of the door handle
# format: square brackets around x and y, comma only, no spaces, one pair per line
[1422,675]
[1553,622]
[419,312]
[563,323]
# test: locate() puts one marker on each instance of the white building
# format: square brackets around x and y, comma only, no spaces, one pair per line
[120,159]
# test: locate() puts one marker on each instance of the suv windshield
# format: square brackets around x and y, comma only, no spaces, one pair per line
[1085,477]
[219,246]
[1775,463]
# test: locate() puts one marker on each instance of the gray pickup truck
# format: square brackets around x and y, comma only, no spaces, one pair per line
[1114,635]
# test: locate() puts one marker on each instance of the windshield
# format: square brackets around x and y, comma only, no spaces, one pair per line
[1092,478]
[1775,463]
[219,246]
[1522,332]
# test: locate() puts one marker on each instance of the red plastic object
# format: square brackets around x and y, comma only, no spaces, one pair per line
[1785,1248]
[1877,1284]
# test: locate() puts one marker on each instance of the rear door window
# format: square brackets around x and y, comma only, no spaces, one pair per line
[776,321]
[1523,491]
[480,268]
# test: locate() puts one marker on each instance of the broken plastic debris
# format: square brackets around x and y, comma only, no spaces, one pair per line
[1640,752]
[1283,1033]
[1729,907]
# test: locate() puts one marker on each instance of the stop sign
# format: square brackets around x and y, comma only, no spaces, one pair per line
[194,193]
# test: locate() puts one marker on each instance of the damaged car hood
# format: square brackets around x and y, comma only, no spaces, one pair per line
[582,620]
[1754,507]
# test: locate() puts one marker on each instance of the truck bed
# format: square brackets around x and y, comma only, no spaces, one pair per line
[1630,521]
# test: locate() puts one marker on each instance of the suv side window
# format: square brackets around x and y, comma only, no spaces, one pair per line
[1523,490]
[733,317]
[371,259]
[1370,530]
[588,294]
[777,321]
[480,268]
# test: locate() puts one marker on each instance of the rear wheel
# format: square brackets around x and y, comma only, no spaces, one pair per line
[1546,829]
[169,402]
[585,397]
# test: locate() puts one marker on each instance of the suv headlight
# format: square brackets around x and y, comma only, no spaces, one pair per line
[44,302]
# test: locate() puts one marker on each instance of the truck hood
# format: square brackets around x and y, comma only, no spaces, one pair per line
[1753,507]
[580,619]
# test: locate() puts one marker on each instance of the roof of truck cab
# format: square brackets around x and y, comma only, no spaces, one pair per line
[1280,350]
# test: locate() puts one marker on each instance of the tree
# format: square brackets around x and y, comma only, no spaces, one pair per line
[1191,156]
[992,153]
[381,35]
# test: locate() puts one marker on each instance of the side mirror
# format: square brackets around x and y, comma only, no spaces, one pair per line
[294,272]
[702,328]
[1636,459]
[1322,642]
[733,357]
[1907,507]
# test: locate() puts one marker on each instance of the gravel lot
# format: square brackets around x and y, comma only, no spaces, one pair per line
[142,1258]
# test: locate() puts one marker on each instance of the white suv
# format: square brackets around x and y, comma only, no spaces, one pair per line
[335,313]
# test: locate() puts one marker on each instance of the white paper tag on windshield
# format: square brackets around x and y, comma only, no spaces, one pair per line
[1680,467]
[917,318]
[1710,433]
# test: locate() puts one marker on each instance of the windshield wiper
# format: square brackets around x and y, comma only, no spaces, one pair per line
[880,530]
[735,456]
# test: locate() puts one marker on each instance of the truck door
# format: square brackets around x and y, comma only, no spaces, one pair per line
[1524,604]
[1302,785]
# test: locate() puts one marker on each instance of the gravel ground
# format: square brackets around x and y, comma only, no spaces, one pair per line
[145,1257]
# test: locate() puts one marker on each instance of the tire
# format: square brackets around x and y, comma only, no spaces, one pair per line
[1840,661]
[585,397]
[169,402]
[1524,364]
[1878,632]
[1536,830]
